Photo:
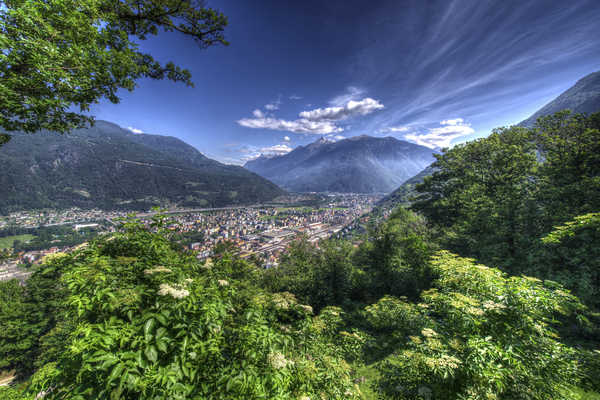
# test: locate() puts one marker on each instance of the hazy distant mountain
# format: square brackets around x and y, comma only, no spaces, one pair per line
[362,164]
[403,194]
[583,97]
[107,166]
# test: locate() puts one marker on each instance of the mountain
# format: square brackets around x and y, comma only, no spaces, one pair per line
[403,194]
[583,97]
[361,164]
[109,167]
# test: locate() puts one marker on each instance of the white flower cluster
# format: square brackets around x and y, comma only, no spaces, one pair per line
[307,308]
[283,300]
[443,362]
[427,332]
[278,360]
[493,306]
[223,282]
[154,270]
[208,264]
[175,291]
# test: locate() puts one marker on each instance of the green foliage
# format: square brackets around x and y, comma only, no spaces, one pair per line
[493,198]
[142,320]
[62,54]
[483,335]
[319,277]
[571,254]
[395,258]
[570,172]
[8,393]
[481,196]
[15,335]
[30,315]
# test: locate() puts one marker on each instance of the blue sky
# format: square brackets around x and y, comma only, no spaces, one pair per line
[432,72]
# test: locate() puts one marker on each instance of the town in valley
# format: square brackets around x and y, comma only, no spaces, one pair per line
[260,232]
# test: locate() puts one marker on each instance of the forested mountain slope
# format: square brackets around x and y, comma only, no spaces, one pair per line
[583,97]
[109,167]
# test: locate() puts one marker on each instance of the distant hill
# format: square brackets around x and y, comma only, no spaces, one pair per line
[109,167]
[361,164]
[583,97]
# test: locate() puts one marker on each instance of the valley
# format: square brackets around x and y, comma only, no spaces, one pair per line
[260,231]
[338,200]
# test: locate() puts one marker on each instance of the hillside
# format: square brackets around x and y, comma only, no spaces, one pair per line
[583,97]
[403,194]
[109,167]
[361,164]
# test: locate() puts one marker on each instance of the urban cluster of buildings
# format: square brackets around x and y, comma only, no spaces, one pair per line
[50,217]
[267,232]
[263,232]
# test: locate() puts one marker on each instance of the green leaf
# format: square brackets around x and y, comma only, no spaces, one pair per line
[162,345]
[151,353]
[116,372]
[148,327]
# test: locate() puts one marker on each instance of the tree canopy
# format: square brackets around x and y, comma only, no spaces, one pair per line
[61,56]
[493,198]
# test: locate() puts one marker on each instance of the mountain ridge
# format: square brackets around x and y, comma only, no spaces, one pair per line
[582,97]
[106,166]
[360,164]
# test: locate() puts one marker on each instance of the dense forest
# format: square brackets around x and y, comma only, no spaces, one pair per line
[486,287]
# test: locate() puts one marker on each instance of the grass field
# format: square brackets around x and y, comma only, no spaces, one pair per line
[7,242]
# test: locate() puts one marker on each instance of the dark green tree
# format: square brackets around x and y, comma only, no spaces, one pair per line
[16,336]
[395,259]
[569,145]
[482,197]
[29,316]
[318,276]
[62,55]
[570,254]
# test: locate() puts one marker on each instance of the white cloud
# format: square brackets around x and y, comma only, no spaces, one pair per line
[453,122]
[321,121]
[351,93]
[274,105]
[278,149]
[350,109]
[252,153]
[394,129]
[286,139]
[135,130]
[294,97]
[297,126]
[335,138]
[442,136]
